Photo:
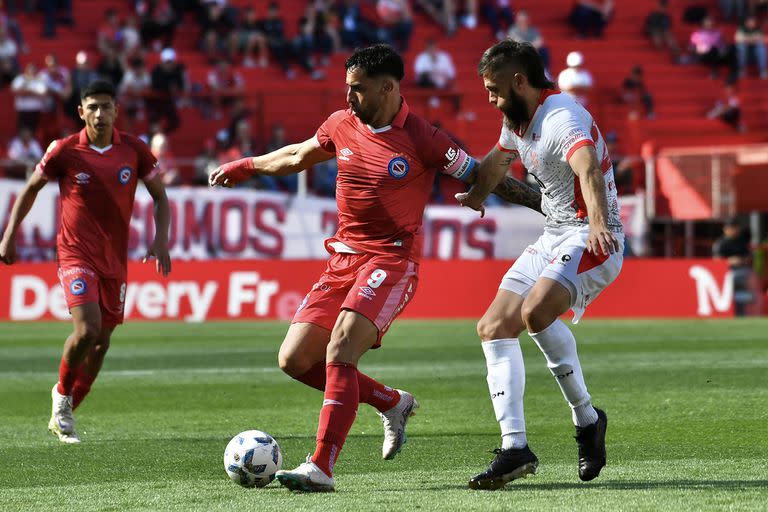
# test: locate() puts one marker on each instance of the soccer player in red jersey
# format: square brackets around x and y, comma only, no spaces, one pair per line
[387,159]
[98,170]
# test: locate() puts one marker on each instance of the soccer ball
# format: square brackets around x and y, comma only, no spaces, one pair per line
[252,458]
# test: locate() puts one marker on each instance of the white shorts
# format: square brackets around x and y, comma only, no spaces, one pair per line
[561,254]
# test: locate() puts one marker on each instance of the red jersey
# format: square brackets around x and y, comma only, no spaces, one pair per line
[97,186]
[385,179]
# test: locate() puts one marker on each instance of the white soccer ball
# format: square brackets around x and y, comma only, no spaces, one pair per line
[252,458]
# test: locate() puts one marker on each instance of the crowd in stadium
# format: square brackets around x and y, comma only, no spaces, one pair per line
[236,37]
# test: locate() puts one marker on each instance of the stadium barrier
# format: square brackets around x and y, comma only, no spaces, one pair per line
[197,291]
[249,224]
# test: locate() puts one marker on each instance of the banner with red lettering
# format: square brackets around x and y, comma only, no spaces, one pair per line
[250,224]
[267,289]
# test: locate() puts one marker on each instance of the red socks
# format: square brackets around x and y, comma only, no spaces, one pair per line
[67,378]
[337,415]
[372,392]
[81,388]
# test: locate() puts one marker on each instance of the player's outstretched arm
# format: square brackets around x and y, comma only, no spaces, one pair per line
[20,209]
[281,162]
[491,176]
[584,163]
[159,247]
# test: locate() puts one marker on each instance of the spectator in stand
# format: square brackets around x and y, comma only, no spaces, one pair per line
[733,246]
[355,30]
[523,32]
[55,12]
[130,37]
[11,26]
[24,151]
[658,27]
[575,79]
[167,169]
[496,11]
[205,163]
[750,37]
[623,165]
[223,83]
[169,84]
[634,92]
[59,87]
[244,142]
[131,91]
[433,67]
[252,40]
[29,98]
[157,23]
[324,178]
[81,77]
[220,39]
[110,68]
[312,38]
[108,38]
[442,12]
[733,9]
[396,22]
[288,183]
[273,28]
[9,63]
[728,108]
[708,46]
[589,17]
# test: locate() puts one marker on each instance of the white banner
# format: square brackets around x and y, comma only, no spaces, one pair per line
[249,224]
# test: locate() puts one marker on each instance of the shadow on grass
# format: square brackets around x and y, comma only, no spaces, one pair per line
[720,485]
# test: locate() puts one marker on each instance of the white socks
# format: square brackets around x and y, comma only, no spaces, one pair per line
[559,348]
[506,383]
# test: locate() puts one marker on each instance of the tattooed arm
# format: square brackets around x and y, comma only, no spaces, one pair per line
[491,176]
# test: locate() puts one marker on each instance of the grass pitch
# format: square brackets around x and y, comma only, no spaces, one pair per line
[687,404]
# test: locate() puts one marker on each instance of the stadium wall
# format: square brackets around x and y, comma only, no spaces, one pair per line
[270,290]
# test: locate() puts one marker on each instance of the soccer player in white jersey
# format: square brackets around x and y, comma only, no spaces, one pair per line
[579,254]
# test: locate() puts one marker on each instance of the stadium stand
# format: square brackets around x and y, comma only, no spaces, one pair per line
[682,93]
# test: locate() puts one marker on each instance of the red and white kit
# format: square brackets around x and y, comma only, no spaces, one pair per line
[559,127]
[384,181]
[97,187]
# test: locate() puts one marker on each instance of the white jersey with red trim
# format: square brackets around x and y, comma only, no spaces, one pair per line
[558,128]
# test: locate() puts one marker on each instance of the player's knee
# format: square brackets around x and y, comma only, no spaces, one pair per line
[535,316]
[292,363]
[100,348]
[493,329]
[87,332]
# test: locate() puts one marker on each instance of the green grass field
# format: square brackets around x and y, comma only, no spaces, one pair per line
[687,405]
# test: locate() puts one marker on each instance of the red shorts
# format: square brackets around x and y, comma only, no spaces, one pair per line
[82,285]
[376,286]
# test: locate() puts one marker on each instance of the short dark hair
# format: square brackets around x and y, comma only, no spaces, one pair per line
[523,57]
[98,87]
[377,60]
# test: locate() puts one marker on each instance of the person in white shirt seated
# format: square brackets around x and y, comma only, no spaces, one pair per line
[434,68]
[575,79]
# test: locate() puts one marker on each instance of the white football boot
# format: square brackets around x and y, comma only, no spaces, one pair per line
[306,478]
[394,421]
[62,423]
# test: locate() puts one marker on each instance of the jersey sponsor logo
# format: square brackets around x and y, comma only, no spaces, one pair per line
[124,175]
[345,153]
[78,286]
[536,136]
[82,178]
[329,401]
[398,167]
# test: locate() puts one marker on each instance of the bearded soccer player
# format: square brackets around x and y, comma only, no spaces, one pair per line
[387,159]
[98,170]
[579,254]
